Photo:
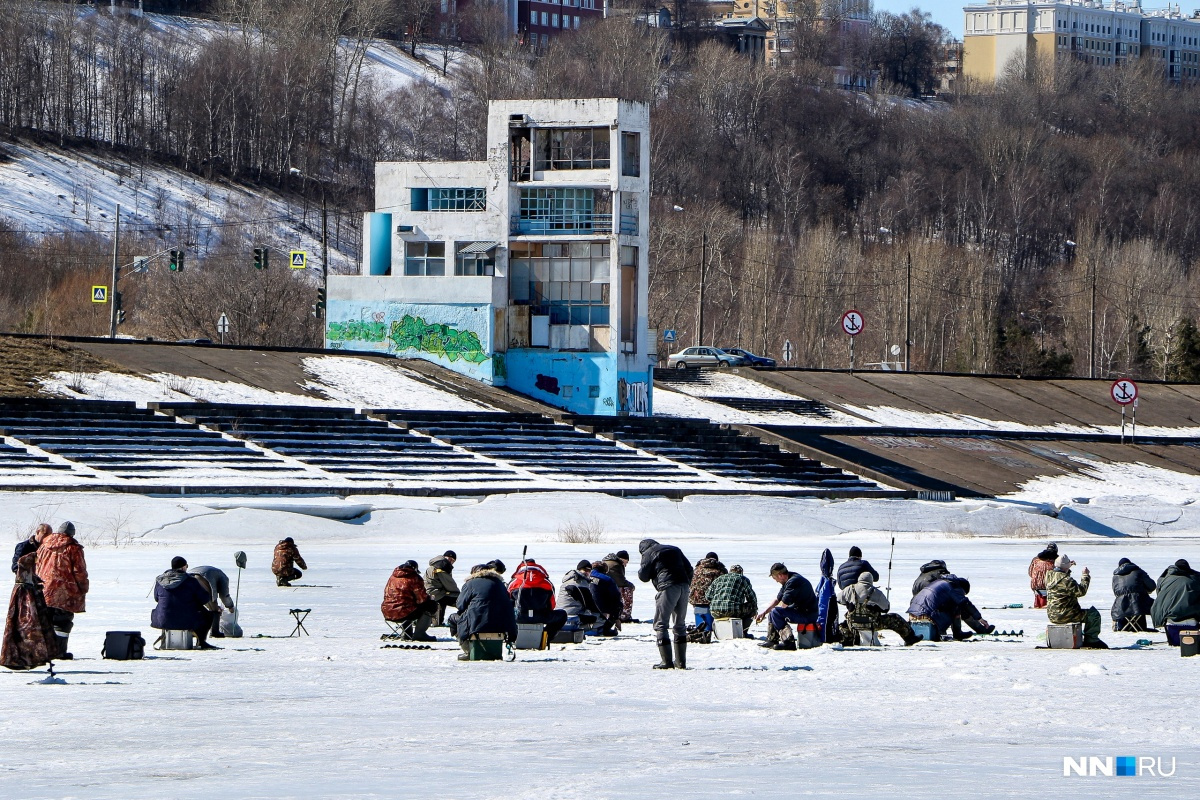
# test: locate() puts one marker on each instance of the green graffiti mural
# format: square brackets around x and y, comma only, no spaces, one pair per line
[357,331]
[436,339]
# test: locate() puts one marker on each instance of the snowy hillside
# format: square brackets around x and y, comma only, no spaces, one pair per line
[46,189]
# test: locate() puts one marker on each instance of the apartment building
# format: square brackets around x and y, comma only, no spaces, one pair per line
[1001,33]
[528,269]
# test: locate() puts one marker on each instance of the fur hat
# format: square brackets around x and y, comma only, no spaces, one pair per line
[66,529]
[1063,563]
[736,568]
[479,568]
[497,565]
[855,552]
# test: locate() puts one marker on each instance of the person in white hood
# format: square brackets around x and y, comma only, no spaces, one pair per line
[867,608]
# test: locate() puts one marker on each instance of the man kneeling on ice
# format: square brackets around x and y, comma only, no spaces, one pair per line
[867,610]
[483,607]
[406,603]
[184,603]
[942,602]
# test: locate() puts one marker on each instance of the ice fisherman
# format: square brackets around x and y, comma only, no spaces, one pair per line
[184,603]
[608,599]
[731,596]
[31,544]
[1178,595]
[484,606]
[1042,563]
[284,562]
[440,583]
[616,563]
[854,566]
[967,612]
[62,569]
[533,598]
[1062,601]
[795,603]
[1132,588]
[707,570]
[218,587]
[671,573]
[407,603]
[868,609]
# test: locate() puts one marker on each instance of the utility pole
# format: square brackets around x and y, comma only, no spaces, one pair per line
[700,300]
[1092,327]
[907,310]
[114,297]
[324,260]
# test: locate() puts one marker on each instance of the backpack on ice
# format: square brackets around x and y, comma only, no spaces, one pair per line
[123,645]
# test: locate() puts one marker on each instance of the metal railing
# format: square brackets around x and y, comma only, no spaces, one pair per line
[565,224]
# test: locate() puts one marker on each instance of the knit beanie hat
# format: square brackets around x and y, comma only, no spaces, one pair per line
[67,529]
[178,562]
[623,554]
[866,577]
[584,566]
[855,552]
[410,564]
[713,556]
[450,554]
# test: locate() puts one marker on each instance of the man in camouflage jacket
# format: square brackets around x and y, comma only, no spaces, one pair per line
[1062,601]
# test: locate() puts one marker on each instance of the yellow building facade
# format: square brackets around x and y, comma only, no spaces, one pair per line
[1003,35]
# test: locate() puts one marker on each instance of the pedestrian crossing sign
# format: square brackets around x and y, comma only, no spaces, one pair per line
[99,294]
[299,257]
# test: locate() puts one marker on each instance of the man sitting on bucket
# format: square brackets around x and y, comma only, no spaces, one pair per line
[795,603]
[483,607]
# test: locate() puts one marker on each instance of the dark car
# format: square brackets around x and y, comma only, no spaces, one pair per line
[751,359]
[195,341]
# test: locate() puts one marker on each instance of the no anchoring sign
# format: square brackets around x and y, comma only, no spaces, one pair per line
[1124,391]
[852,323]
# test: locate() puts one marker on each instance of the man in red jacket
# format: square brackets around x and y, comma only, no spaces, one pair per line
[406,602]
[63,572]
[533,597]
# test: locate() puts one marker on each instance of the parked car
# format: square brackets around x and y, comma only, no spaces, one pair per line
[751,359]
[195,341]
[704,357]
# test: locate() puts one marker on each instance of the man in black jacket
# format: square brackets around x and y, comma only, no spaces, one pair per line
[847,574]
[671,572]
[484,606]
[796,602]
[29,545]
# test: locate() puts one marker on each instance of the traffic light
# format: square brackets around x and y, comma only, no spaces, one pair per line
[120,317]
[176,261]
[321,298]
[261,256]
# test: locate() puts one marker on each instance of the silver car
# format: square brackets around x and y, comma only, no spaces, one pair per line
[703,357]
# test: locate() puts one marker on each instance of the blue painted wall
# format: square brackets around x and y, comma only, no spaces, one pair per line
[584,383]
[379,243]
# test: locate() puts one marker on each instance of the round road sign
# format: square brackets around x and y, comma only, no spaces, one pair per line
[1124,391]
[852,322]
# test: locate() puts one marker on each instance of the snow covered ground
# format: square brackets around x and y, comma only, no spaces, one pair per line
[344,381]
[336,715]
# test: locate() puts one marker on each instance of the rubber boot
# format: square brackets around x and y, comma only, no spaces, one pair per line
[664,653]
[63,636]
[772,637]
[681,654]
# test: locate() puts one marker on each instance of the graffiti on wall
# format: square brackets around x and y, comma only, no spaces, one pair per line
[453,335]
[634,397]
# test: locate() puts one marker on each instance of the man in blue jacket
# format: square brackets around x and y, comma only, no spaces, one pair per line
[848,572]
[184,603]
[671,572]
[795,603]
